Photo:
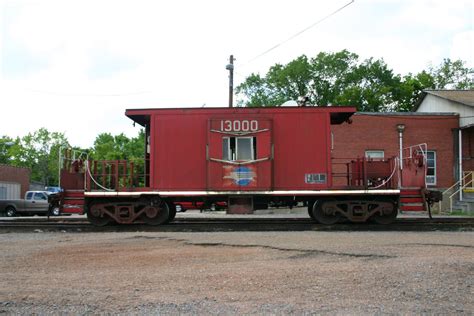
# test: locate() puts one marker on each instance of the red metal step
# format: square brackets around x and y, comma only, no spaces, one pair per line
[412,208]
[410,192]
[73,202]
[411,199]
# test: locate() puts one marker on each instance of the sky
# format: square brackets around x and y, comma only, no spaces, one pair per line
[75,66]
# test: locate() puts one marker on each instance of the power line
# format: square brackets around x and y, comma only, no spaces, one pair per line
[302,31]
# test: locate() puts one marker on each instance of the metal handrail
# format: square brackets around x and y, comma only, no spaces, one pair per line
[467,173]
[462,185]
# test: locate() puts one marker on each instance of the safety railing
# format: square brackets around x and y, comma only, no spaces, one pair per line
[453,192]
[366,173]
[115,175]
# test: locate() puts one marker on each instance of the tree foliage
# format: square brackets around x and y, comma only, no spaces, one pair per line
[38,151]
[341,78]
[109,147]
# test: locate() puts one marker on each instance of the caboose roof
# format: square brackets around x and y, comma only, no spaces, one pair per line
[339,114]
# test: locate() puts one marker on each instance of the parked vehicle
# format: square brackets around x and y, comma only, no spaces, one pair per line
[183,206]
[34,203]
[52,189]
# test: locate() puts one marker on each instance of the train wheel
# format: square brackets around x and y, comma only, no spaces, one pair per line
[157,214]
[172,215]
[389,215]
[97,217]
[325,213]
[310,210]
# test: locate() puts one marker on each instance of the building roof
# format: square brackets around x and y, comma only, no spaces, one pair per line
[408,114]
[12,167]
[465,97]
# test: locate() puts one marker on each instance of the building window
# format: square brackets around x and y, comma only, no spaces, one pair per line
[371,154]
[239,148]
[431,167]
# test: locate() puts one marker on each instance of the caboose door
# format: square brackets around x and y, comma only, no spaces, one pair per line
[239,154]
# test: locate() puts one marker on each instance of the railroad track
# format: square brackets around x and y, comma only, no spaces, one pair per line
[234,224]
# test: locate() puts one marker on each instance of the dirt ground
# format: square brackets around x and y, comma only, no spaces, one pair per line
[237,272]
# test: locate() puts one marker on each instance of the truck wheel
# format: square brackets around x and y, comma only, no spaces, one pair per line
[55,211]
[10,211]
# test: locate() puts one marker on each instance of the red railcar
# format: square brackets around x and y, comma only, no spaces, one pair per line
[245,157]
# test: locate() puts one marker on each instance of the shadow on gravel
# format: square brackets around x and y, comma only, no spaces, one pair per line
[297,253]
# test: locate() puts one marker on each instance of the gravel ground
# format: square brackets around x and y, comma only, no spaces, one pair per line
[235,273]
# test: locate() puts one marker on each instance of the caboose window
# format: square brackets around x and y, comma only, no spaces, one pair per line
[239,148]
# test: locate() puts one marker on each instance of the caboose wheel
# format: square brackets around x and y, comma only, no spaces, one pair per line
[325,213]
[97,217]
[389,215]
[156,214]
[172,214]
[310,210]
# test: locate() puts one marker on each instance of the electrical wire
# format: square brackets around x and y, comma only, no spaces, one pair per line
[302,31]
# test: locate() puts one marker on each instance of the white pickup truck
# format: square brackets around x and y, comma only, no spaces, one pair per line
[34,203]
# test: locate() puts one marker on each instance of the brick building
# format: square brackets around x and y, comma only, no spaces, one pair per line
[457,101]
[14,182]
[376,135]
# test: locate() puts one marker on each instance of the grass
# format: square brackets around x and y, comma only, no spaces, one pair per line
[461,213]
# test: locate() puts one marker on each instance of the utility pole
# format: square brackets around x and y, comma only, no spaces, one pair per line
[230,67]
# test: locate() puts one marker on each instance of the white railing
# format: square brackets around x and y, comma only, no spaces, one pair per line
[467,181]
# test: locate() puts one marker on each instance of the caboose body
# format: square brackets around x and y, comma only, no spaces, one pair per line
[241,149]
[246,157]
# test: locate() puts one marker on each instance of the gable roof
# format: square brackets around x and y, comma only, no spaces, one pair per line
[465,97]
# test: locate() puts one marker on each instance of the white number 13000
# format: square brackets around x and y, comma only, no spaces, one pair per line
[239,126]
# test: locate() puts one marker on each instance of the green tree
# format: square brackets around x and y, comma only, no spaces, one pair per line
[452,75]
[39,151]
[109,147]
[7,149]
[342,79]
[120,147]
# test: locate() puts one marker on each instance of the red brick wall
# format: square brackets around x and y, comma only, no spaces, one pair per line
[379,132]
[17,175]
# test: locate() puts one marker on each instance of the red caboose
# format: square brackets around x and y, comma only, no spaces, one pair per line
[246,157]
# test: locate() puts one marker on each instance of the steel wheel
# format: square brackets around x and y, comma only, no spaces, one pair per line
[325,213]
[172,214]
[156,214]
[97,217]
[310,210]
[10,211]
[389,215]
